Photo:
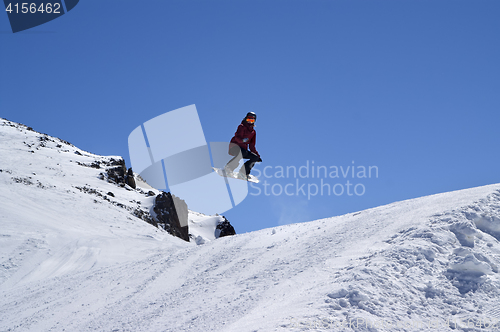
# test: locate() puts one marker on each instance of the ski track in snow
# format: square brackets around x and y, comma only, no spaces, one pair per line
[70,261]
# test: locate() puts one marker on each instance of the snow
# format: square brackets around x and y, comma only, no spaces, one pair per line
[72,260]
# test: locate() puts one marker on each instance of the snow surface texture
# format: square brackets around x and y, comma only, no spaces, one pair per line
[71,260]
[58,214]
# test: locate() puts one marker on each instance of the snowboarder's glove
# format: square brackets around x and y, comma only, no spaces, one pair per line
[245,140]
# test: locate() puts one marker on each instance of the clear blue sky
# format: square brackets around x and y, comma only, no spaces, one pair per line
[412,87]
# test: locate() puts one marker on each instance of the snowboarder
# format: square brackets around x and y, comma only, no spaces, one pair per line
[243,140]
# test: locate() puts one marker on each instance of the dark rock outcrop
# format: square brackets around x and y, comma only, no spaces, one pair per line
[172,215]
[130,180]
[116,174]
[225,228]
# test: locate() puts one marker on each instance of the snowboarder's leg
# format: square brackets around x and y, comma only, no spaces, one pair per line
[252,159]
[235,151]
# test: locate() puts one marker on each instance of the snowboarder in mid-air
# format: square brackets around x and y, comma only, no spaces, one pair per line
[242,145]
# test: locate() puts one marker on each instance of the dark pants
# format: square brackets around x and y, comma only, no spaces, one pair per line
[245,154]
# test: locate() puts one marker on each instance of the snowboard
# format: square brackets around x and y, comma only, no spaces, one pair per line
[233,175]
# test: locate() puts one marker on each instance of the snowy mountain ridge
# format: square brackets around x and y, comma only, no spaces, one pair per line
[72,260]
[59,191]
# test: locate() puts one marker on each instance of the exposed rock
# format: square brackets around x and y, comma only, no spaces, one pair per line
[172,215]
[225,228]
[130,180]
[141,214]
[116,174]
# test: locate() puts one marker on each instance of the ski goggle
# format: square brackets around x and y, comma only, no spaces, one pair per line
[251,120]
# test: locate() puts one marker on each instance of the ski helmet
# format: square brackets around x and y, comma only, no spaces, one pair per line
[252,114]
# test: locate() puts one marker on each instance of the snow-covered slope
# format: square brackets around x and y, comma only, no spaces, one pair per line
[71,260]
[59,215]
